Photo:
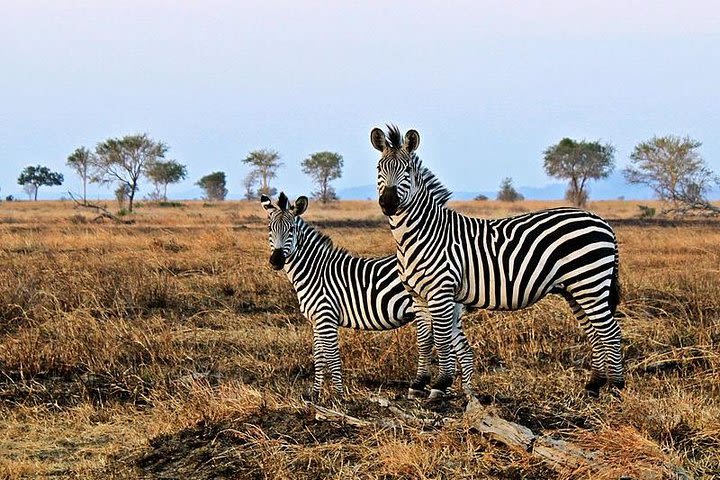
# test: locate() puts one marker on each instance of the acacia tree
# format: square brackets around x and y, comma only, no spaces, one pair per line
[507,192]
[324,167]
[32,178]
[674,169]
[578,162]
[264,164]
[214,186]
[161,174]
[124,160]
[80,161]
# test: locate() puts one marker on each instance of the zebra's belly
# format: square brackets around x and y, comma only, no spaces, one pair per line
[500,295]
[374,305]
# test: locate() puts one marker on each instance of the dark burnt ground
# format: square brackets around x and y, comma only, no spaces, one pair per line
[235,448]
[238,447]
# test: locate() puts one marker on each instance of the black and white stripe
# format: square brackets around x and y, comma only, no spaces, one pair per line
[503,264]
[337,289]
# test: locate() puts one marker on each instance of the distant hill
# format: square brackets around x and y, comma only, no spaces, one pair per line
[610,188]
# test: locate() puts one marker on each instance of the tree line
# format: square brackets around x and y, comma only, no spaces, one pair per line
[669,165]
[124,161]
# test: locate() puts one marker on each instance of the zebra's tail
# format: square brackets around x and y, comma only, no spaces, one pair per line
[615,292]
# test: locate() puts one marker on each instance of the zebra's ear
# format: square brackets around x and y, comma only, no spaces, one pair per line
[267,203]
[378,139]
[412,140]
[300,206]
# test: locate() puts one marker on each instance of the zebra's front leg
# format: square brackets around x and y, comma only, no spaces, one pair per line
[423,324]
[319,365]
[442,309]
[327,332]
[464,352]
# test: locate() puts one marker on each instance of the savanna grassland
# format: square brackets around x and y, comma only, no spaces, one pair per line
[169,349]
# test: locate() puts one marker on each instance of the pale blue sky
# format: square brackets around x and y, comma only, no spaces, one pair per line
[488,84]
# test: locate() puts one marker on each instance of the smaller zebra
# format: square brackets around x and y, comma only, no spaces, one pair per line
[338,289]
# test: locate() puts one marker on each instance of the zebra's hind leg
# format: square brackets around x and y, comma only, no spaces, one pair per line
[425,345]
[598,376]
[604,334]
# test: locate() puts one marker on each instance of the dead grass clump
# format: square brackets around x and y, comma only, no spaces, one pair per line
[170,245]
[102,362]
[78,219]
[626,453]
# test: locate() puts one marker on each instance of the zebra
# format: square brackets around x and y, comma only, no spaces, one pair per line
[337,289]
[498,264]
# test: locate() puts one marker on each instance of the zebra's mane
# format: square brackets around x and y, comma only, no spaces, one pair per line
[429,182]
[323,240]
[394,137]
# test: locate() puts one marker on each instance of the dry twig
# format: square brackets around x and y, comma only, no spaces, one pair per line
[103,212]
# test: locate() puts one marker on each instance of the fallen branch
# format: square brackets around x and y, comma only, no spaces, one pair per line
[684,206]
[407,418]
[326,414]
[102,211]
[560,455]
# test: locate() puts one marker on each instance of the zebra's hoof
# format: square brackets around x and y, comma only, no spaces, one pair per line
[617,384]
[594,385]
[436,394]
[415,394]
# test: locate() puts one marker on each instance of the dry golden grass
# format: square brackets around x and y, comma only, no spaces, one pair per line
[169,348]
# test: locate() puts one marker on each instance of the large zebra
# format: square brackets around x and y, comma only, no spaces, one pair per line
[337,289]
[503,264]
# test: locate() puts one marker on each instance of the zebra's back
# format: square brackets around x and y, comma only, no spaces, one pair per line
[513,262]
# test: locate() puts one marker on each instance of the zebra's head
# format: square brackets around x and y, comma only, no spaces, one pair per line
[396,168]
[282,226]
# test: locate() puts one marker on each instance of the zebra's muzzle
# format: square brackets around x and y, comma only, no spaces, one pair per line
[277,259]
[389,200]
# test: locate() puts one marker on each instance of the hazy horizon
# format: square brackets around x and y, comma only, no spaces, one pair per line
[489,85]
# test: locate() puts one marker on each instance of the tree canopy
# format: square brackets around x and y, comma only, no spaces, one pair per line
[264,166]
[163,173]
[32,178]
[674,169]
[124,160]
[323,168]
[213,185]
[578,162]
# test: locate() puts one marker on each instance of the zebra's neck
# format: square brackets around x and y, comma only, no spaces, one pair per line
[423,215]
[311,250]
